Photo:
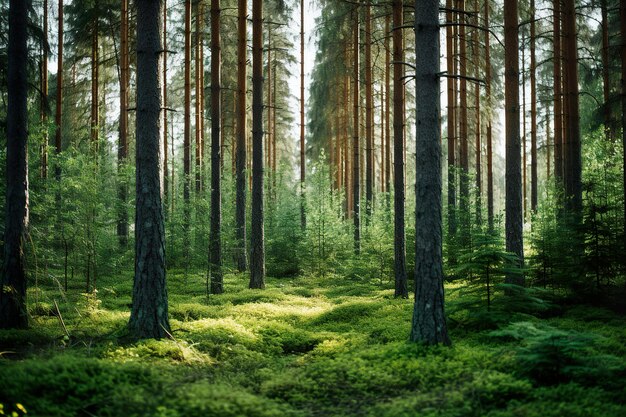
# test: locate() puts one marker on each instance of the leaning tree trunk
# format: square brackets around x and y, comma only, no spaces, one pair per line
[241,253]
[429,321]
[513,175]
[257,238]
[401,286]
[215,239]
[13,312]
[148,318]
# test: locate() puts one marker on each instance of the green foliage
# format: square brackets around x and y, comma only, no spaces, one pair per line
[550,355]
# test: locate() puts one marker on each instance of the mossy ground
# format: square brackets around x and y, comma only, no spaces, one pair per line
[307,346]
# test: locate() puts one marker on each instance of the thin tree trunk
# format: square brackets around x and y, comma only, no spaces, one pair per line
[573,160]
[463,134]
[490,214]
[302,125]
[257,238]
[187,133]
[548,144]
[269,105]
[558,94]
[166,179]
[44,94]
[122,150]
[622,13]
[533,112]
[478,145]
[13,312]
[451,132]
[513,176]
[401,285]
[94,86]
[148,318]
[608,123]
[523,116]
[59,104]
[356,199]
[369,134]
[215,239]
[388,36]
[199,94]
[429,321]
[241,254]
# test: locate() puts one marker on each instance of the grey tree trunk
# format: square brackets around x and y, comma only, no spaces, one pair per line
[257,238]
[241,254]
[401,285]
[356,160]
[513,176]
[13,280]
[429,321]
[215,239]
[148,318]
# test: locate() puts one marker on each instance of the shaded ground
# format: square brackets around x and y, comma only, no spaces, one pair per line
[305,347]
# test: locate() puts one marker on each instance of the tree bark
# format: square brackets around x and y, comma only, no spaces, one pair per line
[94,86]
[369,135]
[356,191]
[477,133]
[533,111]
[13,314]
[199,94]
[606,86]
[44,93]
[490,214]
[187,133]
[573,160]
[215,239]
[302,123]
[387,172]
[166,176]
[257,238]
[59,104]
[401,284]
[622,12]
[429,321]
[122,150]
[558,94]
[451,130]
[241,254]
[148,317]
[463,135]
[513,175]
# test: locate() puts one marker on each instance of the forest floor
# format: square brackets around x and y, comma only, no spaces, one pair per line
[306,347]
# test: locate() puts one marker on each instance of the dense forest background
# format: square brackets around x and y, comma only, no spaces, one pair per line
[188,233]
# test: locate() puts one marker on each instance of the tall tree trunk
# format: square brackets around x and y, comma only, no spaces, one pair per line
[463,133]
[44,93]
[622,13]
[166,177]
[608,123]
[257,238]
[523,115]
[122,150]
[513,176]
[199,94]
[369,135]
[215,240]
[187,133]
[95,104]
[573,160]
[401,285]
[429,321]
[302,125]
[451,131]
[269,105]
[477,133]
[533,111]
[490,216]
[241,254]
[387,105]
[148,317]
[356,199]
[13,312]
[58,143]
[558,93]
